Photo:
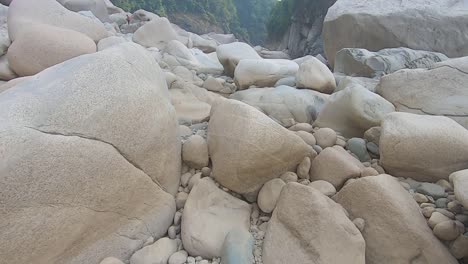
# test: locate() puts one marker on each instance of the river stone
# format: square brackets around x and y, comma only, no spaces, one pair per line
[209,215]
[439,90]
[446,230]
[326,137]
[358,147]
[248,149]
[460,184]
[363,63]
[286,105]
[6,73]
[353,111]
[156,33]
[42,46]
[297,208]
[97,7]
[431,189]
[231,54]
[375,25]
[315,75]
[324,187]
[22,14]
[157,253]
[374,199]
[335,165]
[262,73]
[405,151]
[367,83]
[195,152]
[269,194]
[238,247]
[100,172]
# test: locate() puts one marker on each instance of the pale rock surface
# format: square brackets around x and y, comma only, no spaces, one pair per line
[439,90]
[22,14]
[315,75]
[353,110]
[156,33]
[248,149]
[262,73]
[109,42]
[209,215]
[111,260]
[459,247]
[425,148]
[364,63]
[195,152]
[230,54]
[307,137]
[460,184]
[179,257]
[269,194]
[367,83]
[6,73]
[324,187]
[335,165]
[303,168]
[374,199]
[13,82]
[97,7]
[157,253]
[383,24]
[286,105]
[42,46]
[291,238]
[446,230]
[100,171]
[5,41]
[238,247]
[326,137]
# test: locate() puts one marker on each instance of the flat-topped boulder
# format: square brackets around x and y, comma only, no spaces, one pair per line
[156,33]
[425,148]
[99,183]
[375,25]
[438,90]
[97,7]
[262,72]
[230,54]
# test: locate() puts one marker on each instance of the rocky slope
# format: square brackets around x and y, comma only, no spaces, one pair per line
[125,139]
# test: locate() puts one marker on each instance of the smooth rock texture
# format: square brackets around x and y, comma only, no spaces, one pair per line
[111,260]
[238,247]
[97,7]
[42,46]
[157,253]
[209,215]
[335,166]
[6,73]
[324,187]
[375,25]
[109,42]
[156,33]
[326,137]
[286,105]
[195,152]
[315,75]
[248,149]
[99,173]
[269,194]
[291,238]
[353,110]
[425,148]
[262,73]
[367,83]
[439,90]
[22,14]
[229,55]
[364,63]
[408,240]
[460,184]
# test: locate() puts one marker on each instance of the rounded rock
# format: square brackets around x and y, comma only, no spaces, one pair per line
[325,137]
[180,199]
[358,147]
[307,137]
[269,194]
[447,230]
[303,168]
[324,187]
[111,260]
[289,177]
[195,152]
[437,218]
[368,171]
[180,257]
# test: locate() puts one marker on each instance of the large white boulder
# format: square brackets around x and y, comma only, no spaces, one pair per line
[460,186]
[22,14]
[286,105]
[364,63]
[248,149]
[395,231]
[439,90]
[262,72]
[425,148]
[156,33]
[97,7]
[209,215]
[42,46]
[353,110]
[230,54]
[379,24]
[308,227]
[78,167]
[6,73]
[315,75]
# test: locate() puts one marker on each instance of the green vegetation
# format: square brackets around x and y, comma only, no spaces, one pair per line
[245,18]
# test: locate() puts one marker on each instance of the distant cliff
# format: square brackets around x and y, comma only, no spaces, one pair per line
[296,26]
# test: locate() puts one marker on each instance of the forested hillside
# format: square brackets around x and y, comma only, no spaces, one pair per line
[245,18]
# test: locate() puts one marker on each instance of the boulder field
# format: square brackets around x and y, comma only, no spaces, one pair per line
[125,139]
